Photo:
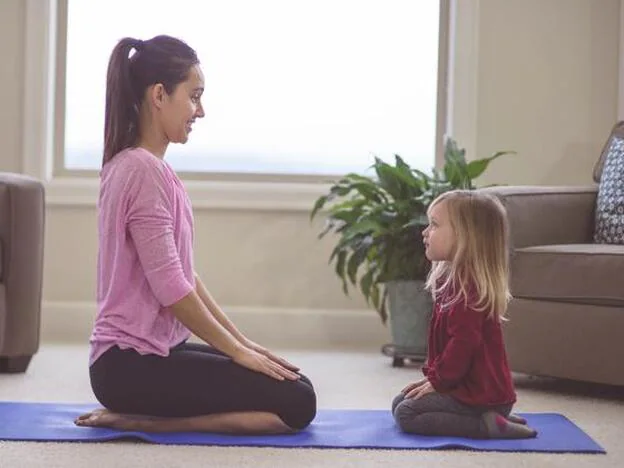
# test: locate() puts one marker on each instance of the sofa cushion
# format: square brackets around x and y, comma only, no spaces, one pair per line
[579,273]
[609,226]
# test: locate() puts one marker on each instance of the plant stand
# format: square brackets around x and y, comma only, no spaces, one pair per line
[400,354]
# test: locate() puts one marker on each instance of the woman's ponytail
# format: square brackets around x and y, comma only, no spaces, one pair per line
[121,115]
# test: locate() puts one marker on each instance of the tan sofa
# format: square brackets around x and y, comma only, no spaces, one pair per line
[567,316]
[21,269]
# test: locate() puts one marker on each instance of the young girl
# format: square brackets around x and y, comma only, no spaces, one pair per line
[149,298]
[467,390]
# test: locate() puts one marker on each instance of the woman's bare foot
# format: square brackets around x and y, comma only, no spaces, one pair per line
[252,422]
[106,418]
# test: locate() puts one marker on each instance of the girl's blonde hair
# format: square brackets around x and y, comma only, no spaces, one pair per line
[480,263]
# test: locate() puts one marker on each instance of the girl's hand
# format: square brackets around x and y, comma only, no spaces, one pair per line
[255,361]
[421,391]
[413,386]
[265,352]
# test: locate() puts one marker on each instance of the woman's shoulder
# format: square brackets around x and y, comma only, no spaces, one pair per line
[138,158]
[133,164]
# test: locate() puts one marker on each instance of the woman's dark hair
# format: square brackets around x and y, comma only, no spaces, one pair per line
[162,59]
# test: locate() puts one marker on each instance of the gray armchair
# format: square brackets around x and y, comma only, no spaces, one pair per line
[566,318]
[22,218]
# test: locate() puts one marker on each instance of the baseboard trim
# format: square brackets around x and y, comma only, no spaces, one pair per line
[71,322]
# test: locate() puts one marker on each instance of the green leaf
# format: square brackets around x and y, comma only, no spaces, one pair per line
[387,178]
[374,294]
[347,215]
[478,166]
[349,205]
[401,164]
[336,250]
[369,191]
[362,227]
[475,168]
[452,173]
[329,225]
[425,179]
[320,202]
[383,311]
[367,187]
[455,165]
[339,190]
[366,283]
[340,269]
[453,154]
[357,258]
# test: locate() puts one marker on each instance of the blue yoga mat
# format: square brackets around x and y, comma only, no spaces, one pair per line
[331,429]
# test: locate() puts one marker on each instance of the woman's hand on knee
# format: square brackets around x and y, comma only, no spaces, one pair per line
[255,361]
[265,352]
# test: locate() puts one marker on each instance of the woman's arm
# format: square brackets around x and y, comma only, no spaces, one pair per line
[191,311]
[193,314]
[228,325]
[217,313]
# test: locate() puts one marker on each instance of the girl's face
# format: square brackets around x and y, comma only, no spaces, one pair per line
[439,237]
[179,110]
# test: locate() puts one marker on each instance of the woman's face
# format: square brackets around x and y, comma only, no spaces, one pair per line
[180,108]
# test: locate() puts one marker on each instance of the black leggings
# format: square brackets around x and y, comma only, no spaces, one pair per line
[195,380]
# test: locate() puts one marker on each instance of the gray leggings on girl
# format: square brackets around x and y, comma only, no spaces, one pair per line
[437,414]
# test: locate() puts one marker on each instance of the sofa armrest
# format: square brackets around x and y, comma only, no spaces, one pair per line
[22,214]
[548,215]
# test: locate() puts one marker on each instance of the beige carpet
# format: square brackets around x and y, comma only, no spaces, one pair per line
[344,379]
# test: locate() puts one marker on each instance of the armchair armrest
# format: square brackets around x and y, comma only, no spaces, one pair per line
[548,215]
[22,218]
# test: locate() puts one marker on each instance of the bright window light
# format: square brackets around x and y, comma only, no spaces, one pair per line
[292,86]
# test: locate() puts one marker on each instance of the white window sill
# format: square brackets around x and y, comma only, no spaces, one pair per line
[83,191]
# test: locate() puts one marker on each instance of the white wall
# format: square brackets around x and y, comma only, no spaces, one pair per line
[546,86]
[12,17]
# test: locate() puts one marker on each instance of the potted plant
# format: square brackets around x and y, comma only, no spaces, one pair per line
[379,222]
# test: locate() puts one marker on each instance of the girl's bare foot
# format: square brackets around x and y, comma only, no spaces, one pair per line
[498,427]
[514,418]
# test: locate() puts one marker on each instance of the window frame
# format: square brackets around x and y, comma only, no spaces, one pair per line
[44,102]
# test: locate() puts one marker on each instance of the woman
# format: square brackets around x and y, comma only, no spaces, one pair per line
[142,369]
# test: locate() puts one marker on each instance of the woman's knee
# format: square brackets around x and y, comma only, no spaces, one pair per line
[300,407]
[303,378]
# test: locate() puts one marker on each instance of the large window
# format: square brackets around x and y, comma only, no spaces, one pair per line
[292,86]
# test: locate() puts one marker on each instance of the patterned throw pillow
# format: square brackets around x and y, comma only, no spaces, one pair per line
[609,227]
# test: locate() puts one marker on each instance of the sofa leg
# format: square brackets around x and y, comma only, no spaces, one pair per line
[14,364]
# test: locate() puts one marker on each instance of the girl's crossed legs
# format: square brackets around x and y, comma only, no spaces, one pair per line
[195,388]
